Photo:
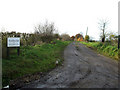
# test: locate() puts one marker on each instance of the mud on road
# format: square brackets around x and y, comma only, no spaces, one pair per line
[82,68]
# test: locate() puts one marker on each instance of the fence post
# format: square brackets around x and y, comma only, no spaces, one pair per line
[8,52]
[118,41]
[18,51]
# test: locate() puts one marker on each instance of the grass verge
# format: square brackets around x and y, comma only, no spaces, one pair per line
[32,59]
[106,49]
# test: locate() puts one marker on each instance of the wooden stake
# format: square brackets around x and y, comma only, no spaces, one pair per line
[118,41]
[8,52]
[18,51]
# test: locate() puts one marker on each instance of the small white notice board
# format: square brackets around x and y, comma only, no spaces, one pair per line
[13,42]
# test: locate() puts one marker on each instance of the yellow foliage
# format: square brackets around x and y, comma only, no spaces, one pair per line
[80,39]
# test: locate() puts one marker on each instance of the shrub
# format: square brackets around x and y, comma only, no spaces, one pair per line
[86,38]
[106,48]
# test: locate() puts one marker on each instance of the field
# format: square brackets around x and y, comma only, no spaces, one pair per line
[106,49]
[32,59]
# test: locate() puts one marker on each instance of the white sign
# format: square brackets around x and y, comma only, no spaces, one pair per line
[13,42]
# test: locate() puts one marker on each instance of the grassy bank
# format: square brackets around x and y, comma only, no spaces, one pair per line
[32,59]
[106,49]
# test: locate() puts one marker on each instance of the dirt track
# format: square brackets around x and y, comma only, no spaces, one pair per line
[82,68]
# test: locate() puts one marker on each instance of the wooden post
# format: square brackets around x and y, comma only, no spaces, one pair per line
[118,41]
[8,52]
[118,47]
[18,51]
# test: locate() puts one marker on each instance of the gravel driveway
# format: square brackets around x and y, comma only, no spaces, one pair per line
[82,68]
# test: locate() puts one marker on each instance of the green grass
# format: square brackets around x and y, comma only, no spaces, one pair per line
[32,59]
[106,49]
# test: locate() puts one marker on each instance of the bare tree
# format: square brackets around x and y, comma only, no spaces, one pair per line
[45,31]
[103,26]
[65,37]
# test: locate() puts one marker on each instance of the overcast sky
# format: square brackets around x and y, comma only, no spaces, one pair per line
[69,16]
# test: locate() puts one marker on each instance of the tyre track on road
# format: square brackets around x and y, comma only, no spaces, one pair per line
[82,68]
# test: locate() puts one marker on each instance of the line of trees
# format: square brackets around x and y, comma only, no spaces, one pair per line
[43,33]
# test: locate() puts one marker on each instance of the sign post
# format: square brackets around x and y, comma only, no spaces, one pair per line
[18,51]
[7,52]
[13,42]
